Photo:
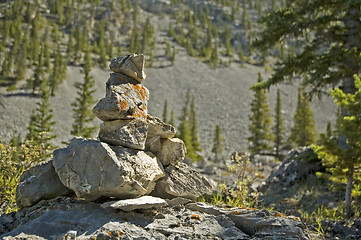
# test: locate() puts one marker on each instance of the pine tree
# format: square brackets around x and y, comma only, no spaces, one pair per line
[38,76]
[260,122]
[278,128]
[101,44]
[70,48]
[165,112]
[173,56]
[195,140]
[84,102]
[303,131]
[34,36]
[171,121]
[46,53]
[134,43]
[328,133]
[333,29]
[59,71]
[22,57]
[185,129]
[343,162]
[241,54]
[40,127]
[168,51]
[218,143]
[214,57]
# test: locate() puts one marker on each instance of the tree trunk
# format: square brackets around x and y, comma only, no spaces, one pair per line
[348,198]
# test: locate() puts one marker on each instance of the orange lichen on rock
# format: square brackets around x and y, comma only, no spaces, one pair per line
[139,114]
[196,217]
[280,215]
[123,105]
[140,88]
[235,212]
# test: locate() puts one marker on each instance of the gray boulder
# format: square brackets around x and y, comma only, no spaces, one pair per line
[157,127]
[181,181]
[172,151]
[124,101]
[38,183]
[144,202]
[93,169]
[131,65]
[153,144]
[169,151]
[127,133]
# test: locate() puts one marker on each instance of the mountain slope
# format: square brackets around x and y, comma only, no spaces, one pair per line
[222,96]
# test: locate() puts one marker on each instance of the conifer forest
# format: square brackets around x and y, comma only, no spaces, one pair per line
[265,94]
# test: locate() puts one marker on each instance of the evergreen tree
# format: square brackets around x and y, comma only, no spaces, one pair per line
[218,143]
[165,112]
[101,44]
[171,121]
[241,54]
[59,71]
[278,128]
[40,127]
[214,57]
[185,129]
[333,29]
[34,36]
[173,56]
[46,53]
[343,162]
[303,132]
[22,57]
[195,141]
[70,48]
[328,130]
[84,102]
[260,122]
[38,76]
[168,51]
[134,43]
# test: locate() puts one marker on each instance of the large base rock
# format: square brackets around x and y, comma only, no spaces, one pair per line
[127,133]
[93,169]
[37,183]
[181,181]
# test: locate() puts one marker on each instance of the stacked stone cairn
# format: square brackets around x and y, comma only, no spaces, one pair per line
[135,154]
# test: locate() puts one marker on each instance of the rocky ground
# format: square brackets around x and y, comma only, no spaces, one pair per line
[66,218]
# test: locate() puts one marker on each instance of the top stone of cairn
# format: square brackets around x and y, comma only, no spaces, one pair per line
[131,65]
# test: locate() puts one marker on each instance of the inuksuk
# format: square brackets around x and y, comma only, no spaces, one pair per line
[135,154]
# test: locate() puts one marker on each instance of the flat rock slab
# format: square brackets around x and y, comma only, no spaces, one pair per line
[123,101]
[38,183]
[144,202]
[93,169]
[126,133]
